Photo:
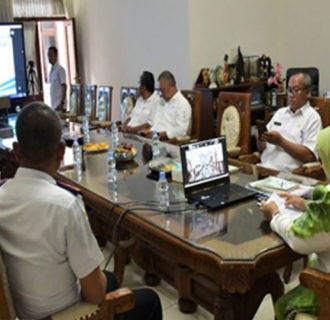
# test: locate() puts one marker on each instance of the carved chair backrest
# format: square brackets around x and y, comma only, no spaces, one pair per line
[234,114]
[90,92]
[76,99]
[104,103]
[195,100]
[128,97]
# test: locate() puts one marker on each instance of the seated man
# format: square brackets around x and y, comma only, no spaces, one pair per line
[51,254]
[174,113]
[145,107]
[291,137]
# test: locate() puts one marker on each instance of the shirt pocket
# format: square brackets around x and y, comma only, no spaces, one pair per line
[293,133]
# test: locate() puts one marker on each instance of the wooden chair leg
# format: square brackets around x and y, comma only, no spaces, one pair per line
[122,253]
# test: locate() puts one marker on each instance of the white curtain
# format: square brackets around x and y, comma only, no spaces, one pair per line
[38,8]
[6,11]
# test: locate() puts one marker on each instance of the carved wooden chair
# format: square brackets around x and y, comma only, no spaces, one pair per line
[115,302]
[103,110]
[319,282]
[128,97]
[234,121]
[90,92]
[76,98]
[194,130]
[311,169]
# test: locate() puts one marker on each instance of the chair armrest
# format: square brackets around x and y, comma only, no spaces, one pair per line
[319,282]
[117,301]
[253,158]
[311,165]
[181,140]
[311,170]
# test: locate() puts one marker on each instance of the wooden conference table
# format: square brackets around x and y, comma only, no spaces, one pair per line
[224,261]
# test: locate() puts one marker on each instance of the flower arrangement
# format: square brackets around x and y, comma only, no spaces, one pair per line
[276,81]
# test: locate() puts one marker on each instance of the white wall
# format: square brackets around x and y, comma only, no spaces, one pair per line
[304,36]
[218,26]
[119,39]
[293,32]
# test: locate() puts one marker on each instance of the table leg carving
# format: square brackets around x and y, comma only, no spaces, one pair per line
[223,309]
[122,253]
[187,306]
[151,279]
[183,284]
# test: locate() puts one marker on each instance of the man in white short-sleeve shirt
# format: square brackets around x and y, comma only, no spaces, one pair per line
[143,113]
[174,112]
[57,79]
[291,137]
[51,254]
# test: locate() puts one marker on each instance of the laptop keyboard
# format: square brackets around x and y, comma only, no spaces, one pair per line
[223,195]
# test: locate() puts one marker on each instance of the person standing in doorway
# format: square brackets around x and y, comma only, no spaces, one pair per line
[57,78]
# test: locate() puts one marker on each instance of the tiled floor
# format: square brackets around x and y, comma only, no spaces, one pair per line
[134,279]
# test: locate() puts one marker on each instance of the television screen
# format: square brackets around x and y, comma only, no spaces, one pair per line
[13,82]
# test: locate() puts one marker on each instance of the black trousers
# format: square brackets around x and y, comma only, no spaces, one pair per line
[147,303]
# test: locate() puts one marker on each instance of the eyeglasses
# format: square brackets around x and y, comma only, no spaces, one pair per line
[295,91]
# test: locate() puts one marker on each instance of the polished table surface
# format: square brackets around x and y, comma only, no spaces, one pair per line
[237,232]
[225,260]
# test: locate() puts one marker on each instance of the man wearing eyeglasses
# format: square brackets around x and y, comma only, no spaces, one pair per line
[291,134]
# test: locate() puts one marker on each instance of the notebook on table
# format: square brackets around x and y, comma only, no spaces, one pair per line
[206,175]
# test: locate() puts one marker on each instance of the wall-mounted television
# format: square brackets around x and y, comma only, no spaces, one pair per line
[13,81]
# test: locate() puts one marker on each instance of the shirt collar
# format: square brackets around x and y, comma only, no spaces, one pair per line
[174,97]
[54,65]
[150,98]
[35,174]
[301,110]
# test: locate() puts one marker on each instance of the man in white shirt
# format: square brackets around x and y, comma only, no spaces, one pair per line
[142,115]
[57,79]
[291,137]
[51,254]
[174,113]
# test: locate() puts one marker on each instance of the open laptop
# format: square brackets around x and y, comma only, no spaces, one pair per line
[206,175]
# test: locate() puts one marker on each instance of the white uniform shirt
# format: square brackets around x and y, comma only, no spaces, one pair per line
[318,244]
[57,77]
[173,116]
[47,243]
[300,127]
[144,110]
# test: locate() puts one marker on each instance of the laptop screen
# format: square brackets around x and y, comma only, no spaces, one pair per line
[204,161]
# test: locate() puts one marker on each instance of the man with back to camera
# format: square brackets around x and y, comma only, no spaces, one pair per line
[174,112]
[291,137]
[143,113]
[57,79]
[51,254]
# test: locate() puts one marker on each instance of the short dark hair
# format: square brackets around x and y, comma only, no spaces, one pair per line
[38,129]
[167,75]
[54,49]
[147,80]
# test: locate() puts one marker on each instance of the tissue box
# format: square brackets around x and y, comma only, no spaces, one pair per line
[177,172]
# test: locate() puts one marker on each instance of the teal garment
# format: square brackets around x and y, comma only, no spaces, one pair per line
[300,299]
[316,218]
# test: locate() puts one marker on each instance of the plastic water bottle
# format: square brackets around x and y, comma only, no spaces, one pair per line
[155,146]
[77,160]
[85,128]
[112,175]
[115,135]
[163,193]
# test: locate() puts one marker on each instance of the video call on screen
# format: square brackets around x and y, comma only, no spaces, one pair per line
[205,161]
